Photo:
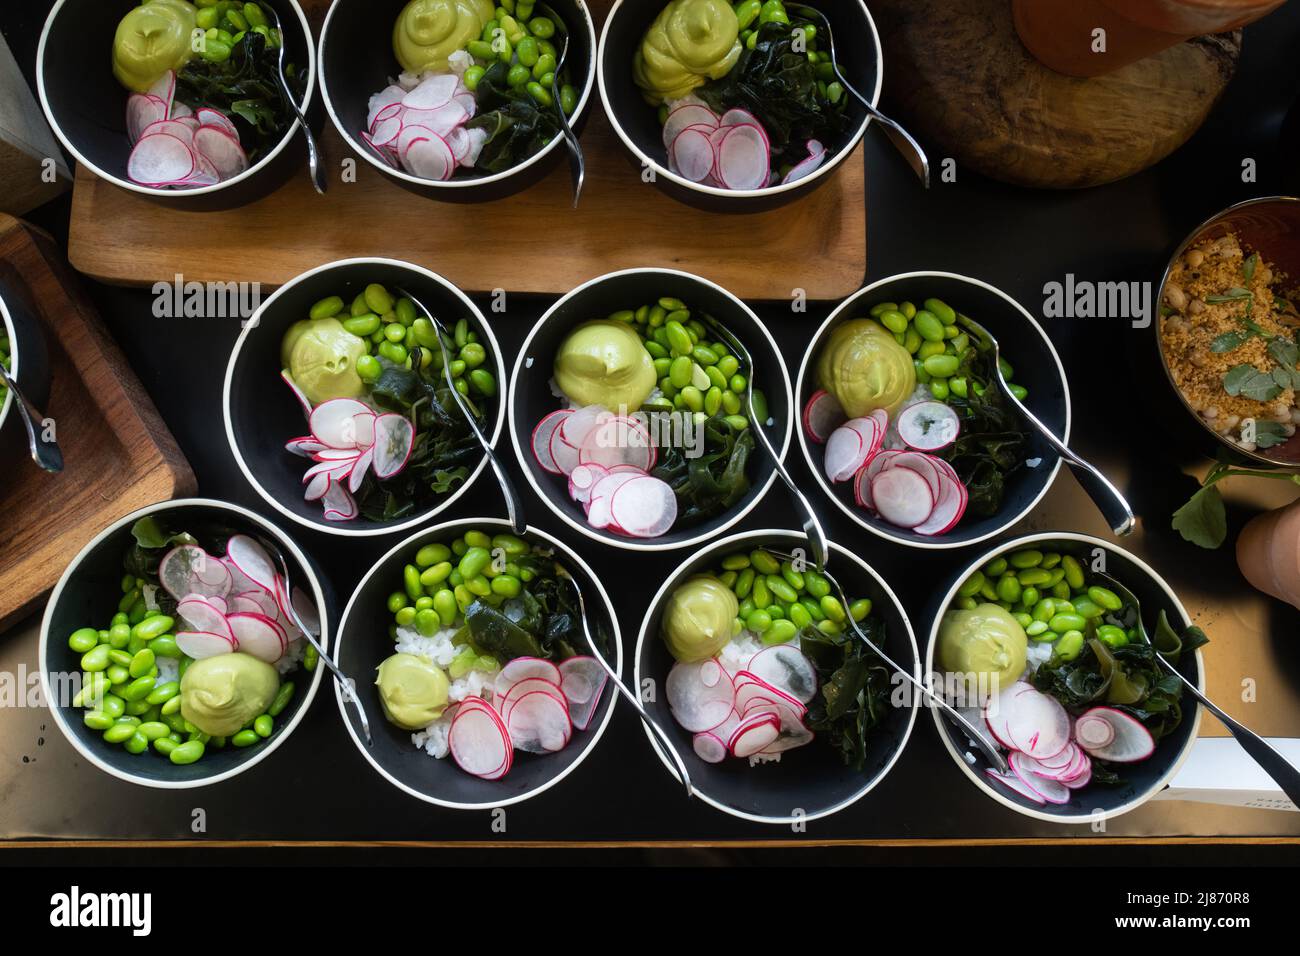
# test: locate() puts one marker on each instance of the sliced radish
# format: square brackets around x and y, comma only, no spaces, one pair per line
[1016,786]
[575,428]
[210,117]
[257,635]
[644,507]
[709,747]
[528,685]
[182,131]
[1130,742]
[429,158]
[947,509]
[199,645]
[201,614]
[744,159]
[582,681]
[394,440]
[478,743]
[618,441]
[542,435]
[1035,722]
[253,560]
[222,150]
[692,155]
[786,668]
[564,454]
[159,160]
[755,734]
[846,452]
[928,426]
[738,117]
[333,422]
[142,112]
[873,436]
[805,168]
[695,705]
[924,465]
[539,724]
[185,570]
[443,120]
[690,114]
[521,668]
[902,497]
[433,92]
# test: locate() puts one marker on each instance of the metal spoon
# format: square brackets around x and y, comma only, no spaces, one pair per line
[514,504]
[313,151]
[1283,772]
[812,528]
[577,162]
[991,753]
[901,138]
[1108,499]
[44,453]
[563,572]
[349,688]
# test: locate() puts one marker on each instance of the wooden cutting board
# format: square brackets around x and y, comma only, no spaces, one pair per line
[117,452]
[959,77]
[817,243]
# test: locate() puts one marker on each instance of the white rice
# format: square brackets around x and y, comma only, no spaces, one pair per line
[440,650]
[169,669]
[292,657]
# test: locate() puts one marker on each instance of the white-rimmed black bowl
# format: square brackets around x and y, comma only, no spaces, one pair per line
[29,367]
[637,124]
[812,781]
[532,399]
[87,596]
[1037,367]
[363,644]
[357,61]
[1141,780]
[86,106]
[261,413]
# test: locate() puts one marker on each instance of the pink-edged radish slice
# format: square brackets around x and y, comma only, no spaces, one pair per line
[711,672]
[199,645]
[180,111]
[257,635]
[744,160]
[902,497]
[805,168]
[1081,781]
[394,440]
[529,685]
[430,158]
[947,509]
[333,422]
[605,487]
[619,441]
[738,117]
[391,111]
[386,132]
[694,704]
[1016,786]
[460,142]
[388,97]
[317,486]
[928,426]
[872,436]
[211,117]
[692,155]
[299,394]
[222,150]
[338,503]
[470,104]
[203,616]
[784,667]
[182,131]
[577,426]
[709,747]
[522,668]
[164,89]
[306,610]
[975,717]
[1093,730]
[178,573]
[644,507]
[358,473]
[160,160]
[539,724]
[142,112]
[1131,741]
[755,735]
[564,454]
[240,583]
[846,452]
[252,559]
[443,120]
[689,114]
[822,415]
[750,687]
[1049,791]
[542,435]
[582,680]
[433,92]
[582,479]
[924,465]
[1036,722]
[862,488]
[478,743]
[599,515]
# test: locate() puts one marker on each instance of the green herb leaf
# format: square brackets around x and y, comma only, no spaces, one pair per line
[1227,342]
[1232,295]
[1250,382]
[1202,520]
[1268,434]
[1248,267]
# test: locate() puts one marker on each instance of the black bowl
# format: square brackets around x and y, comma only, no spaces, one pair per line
[86,106]
[29,367]
[531,397]
[637,123]
[1270,226]
[809,782]
[1141,780]
[1037,367]
[261,413]
[89,592]
[364,644]
[357,61]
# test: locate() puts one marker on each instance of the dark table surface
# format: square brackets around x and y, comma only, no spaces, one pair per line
[318,787]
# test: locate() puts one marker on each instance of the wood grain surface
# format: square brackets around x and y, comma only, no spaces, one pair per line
[118,454]
[622,222]
[957,74]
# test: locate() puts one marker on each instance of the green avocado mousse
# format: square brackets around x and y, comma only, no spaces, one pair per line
[320,355]
[412,690]
[985,641]
[689,43]
[427,32]
[699,619]
[222,694]
[604,362]
[866,369]
[152,39]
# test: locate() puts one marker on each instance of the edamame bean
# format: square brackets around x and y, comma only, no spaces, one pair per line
[378,299]
[758,621]
[264,725]
[860,609]
[1106,598]
[327,308]
[1073,571]
[929,326]
[1068,647]
[1009,588]
[246,738]
[942,310]
[282,698]
[941,366]
[138,690]
[96,659]
[1112,636]
[120,732]
[163,693]
[83,640]
[187,752]
[779,632]
[971,586]
[1067,622]
[141,664]
[1036,628]
[427,622]
[1029,558]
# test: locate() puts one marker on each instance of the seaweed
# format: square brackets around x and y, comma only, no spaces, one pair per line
[543,621]
[854,695]
[992,445]
[517,127]
[712,482]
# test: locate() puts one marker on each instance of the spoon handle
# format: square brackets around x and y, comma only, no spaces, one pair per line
[46,454]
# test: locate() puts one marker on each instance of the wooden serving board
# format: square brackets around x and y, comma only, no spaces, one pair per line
[118,454]
[967,88]
[122,238]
